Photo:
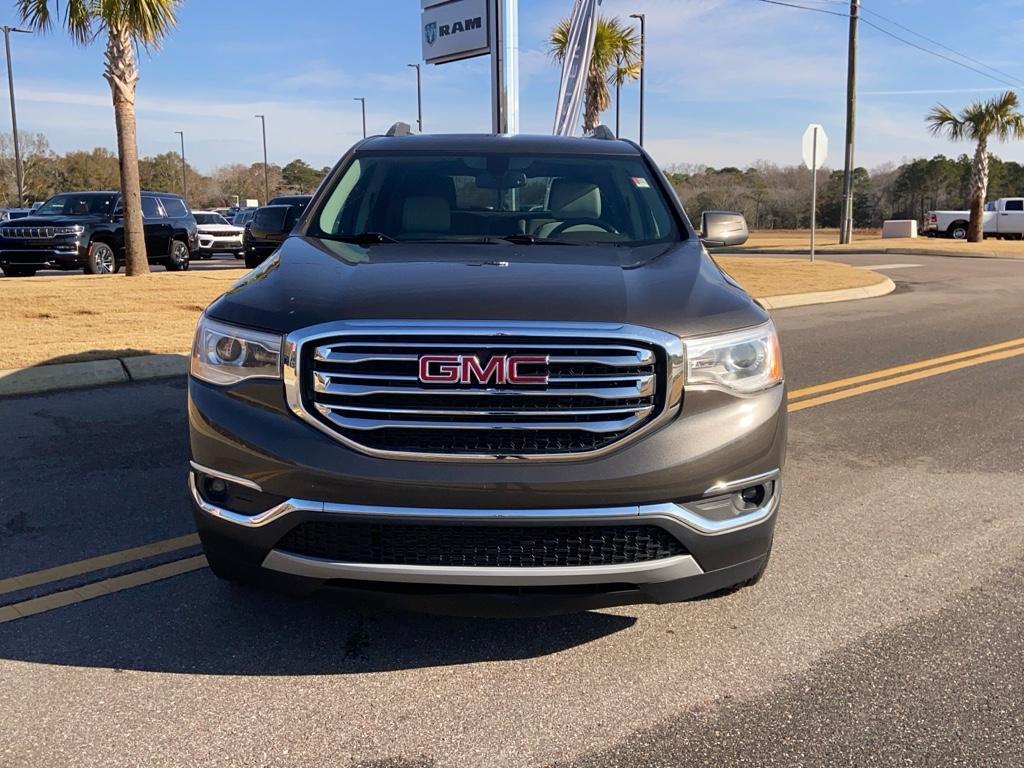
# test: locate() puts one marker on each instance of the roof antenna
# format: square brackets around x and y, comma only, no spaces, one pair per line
[603,132]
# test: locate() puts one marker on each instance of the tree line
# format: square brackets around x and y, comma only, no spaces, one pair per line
[779,197]
[47,173]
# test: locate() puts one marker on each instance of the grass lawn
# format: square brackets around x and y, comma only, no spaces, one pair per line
[828,243]
[86,317]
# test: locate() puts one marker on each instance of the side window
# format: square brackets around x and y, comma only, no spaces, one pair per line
[151,208]
[1015,205]
[174,206]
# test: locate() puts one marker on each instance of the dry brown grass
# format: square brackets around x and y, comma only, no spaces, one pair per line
[779,277]
[87,317]
[827,243]
[79,317]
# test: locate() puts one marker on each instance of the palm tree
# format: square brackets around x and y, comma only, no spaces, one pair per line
[616,57]
[127,25]
[979,122]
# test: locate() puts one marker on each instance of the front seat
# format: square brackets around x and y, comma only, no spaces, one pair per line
[570,200]
[424,216]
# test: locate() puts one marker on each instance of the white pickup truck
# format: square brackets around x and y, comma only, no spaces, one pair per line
[1003,218]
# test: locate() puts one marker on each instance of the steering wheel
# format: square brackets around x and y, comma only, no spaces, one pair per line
[583,222]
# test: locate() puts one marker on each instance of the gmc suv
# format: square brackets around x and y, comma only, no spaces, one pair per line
[488,372]
[85,230]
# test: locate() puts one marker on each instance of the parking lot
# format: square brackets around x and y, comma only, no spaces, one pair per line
[887,629]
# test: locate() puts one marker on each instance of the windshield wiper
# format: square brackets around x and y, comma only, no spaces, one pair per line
[363,238]
[534,240]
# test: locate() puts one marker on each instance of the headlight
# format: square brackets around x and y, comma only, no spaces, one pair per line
[226,354]
[742,361]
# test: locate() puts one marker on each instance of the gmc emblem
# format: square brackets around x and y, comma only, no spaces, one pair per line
[467,369]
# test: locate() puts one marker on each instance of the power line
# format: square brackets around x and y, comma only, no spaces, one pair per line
[943,46]
[1011,82]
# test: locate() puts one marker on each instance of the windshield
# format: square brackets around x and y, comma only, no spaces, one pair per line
[209,218]
[482,198]
[78,204]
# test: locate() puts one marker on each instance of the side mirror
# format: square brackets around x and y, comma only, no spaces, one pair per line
[723,229]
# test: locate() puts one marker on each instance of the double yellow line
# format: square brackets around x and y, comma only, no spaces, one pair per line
[799,400]
[842,389]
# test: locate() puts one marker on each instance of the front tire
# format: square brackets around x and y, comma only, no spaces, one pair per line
[178,261]
[252,261]
[101,260]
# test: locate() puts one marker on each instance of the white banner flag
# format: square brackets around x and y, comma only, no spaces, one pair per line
[575,65]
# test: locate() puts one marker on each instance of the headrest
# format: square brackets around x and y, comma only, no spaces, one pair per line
[426,214]
[575,199]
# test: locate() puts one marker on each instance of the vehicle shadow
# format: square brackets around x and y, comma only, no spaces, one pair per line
[196,624]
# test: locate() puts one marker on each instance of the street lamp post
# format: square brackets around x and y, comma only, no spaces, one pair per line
[618,93]
[266,176]
[643,66]
[184,172]
[419,98]
[18,170]
[362,100]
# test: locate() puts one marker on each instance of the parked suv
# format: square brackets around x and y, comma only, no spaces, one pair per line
[485,371]
[268,227]
[85,230]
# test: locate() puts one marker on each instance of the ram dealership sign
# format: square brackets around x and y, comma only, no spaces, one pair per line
[454,29]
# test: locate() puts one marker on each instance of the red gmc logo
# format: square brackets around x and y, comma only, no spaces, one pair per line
[467,369]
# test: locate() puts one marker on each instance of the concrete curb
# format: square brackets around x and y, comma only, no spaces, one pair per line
[866,252]
[51,378]
[92,373]
[883,288]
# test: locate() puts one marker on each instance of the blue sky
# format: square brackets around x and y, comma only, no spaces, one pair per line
[730,82]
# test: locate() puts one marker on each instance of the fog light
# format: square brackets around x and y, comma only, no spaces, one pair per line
[753,496]
[216,489]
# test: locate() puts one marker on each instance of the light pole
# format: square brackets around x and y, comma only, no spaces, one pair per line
[184,172]
[266,177]
[618,92]
[419,98]
[643,66]
[19,172]
[362,100]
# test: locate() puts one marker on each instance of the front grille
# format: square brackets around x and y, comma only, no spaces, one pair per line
[367,390]
[498,546]
[29,233]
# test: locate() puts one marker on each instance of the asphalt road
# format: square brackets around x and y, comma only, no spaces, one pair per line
[887,631]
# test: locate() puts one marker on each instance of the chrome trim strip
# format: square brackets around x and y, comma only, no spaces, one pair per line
[605,334]
[614,425]
[225,476]
[251,521]
[727,486]
[669,510]
[652,572]
[643,386]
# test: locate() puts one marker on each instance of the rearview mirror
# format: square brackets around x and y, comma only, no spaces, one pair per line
[723,229]
[506,180]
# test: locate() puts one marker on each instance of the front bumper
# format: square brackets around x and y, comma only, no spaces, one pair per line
[219,244]
[55,256]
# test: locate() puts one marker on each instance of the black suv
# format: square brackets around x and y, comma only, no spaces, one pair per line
[269,225]
[491,368]
[85,230]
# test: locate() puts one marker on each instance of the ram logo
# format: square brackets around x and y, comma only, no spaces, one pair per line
[430,32]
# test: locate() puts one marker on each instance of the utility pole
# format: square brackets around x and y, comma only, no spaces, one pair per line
[618,93]
[362,100]
[643,66]
[266,175]
[504,29]
[846,224]
[184,172]
[419,99]
[18,170]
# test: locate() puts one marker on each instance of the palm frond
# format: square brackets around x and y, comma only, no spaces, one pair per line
[942,120]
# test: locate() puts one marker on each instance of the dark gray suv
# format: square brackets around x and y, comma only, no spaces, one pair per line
[489,373]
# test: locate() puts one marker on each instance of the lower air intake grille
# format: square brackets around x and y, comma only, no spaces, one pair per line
[481,545]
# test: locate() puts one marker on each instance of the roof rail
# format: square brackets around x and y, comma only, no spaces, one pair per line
[604,133]
[399,129]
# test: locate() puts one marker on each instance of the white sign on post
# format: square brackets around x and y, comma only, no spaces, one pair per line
[815,148]
[454,30]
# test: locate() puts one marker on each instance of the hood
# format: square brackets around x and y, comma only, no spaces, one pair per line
[54,221]
[675,288]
